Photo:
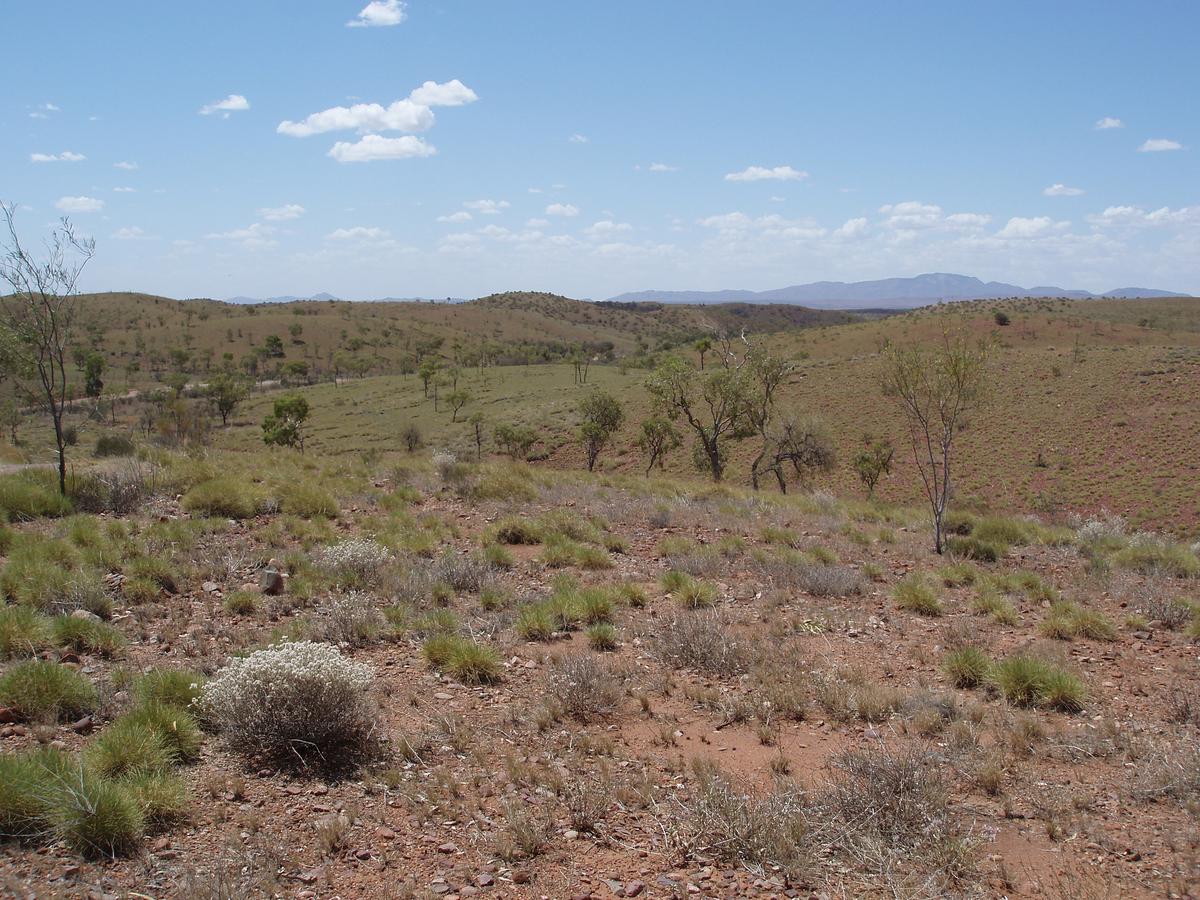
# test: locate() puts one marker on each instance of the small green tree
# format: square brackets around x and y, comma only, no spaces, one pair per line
[937,386]
[93,372]
[477,421]
[872,462]
[658,438]
[456,400]
[226,392]
[703,346]
[285,426]
[712,404]
[515,440]
[801,448]
[273,345]
[427,372]
[601,416]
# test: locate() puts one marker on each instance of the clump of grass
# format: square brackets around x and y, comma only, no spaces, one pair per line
[534,622]
[175,725]
[971,547]
[96,816]
[240,603]
[499,557]
[128,747]
[307,500]
[1067,620]
[958,574]
[1151,555]
[24,498]
[632,595]
[602,636]
[691,592]
[23,631]
[493,597]
[161,796]
[515,530]
[988,602]
[914,594]
[87,635]
[1029,681]
[226,496]
[594,605]
[967,667]
[463,658]
[170,687]
[46,691]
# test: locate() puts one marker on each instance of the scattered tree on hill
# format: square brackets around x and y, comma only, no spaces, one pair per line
[601,416]
[703,346]
[226,391]
[712,405]
[93,372]
[581,361]
[515,440]
[456,400]
[273,345]
[411,436]
[764,375]
[937,387]
[39,314]
[477,421]
[872,462]
[427,372]
[285,426]
[658,438]
[1002,318]
[804,447]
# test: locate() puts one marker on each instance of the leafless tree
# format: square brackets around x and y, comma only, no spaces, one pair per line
[40,313]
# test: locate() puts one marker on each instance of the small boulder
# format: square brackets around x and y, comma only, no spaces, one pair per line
[270,581]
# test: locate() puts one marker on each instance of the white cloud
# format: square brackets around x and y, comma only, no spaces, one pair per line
[124,190]
[911,214]
[1061,190]
[537,223]
[607,228]
[535,190]
[449,93]
[358,233]
[487,207]
[851,228]
[373,147]
[282,213]
[65,156]
[461,216]
[252,237]
[412,114]
[759,173]
[1136,216]
[379,14]
[79,204]
[132,233]
[41,111]
[127,166]
[1109,122]
[968,220]
[1158,145]
[662,167]
[1021,227]
[578,138]
[232,103]
[562,209]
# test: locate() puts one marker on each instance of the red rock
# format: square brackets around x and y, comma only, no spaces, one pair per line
[634,888]
[520,877]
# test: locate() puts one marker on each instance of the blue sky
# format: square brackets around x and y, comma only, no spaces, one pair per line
[589,149]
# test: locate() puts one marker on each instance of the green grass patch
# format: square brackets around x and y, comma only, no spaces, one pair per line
[914,594]
[966,667]
[1029,681]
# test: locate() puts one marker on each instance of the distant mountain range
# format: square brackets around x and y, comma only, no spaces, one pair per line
[896,293]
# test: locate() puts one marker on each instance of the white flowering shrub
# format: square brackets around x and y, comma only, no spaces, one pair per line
[352,618]
[1101,529]
[356,562]
[298,702]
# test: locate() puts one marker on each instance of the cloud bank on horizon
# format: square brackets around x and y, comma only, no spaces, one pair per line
[404,148]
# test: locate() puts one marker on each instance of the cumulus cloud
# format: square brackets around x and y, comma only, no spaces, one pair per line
[65,156]
[968,220]
[282,213]
[1021,227]
[1109,122]
[252,237]
[232,103]
[1158,145]
[662,167]
[562,209]
[124,190]
[487,207]
[760,173]
[536,223]
[379,14]
[449,93]
[911,214]
[607,228]
[358,233]
[373,146]
[578,138]
[79,204]
[461,216]
[126,165]
[131,233]
[851,228]
[1136,216]
[1059,189]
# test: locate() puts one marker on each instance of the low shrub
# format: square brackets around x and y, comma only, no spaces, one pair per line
[87,635]
[95,816]
[23,631]
[170,687]
[958,574]
[128,747]
[175,725]
[226,496]
[914,594]
[463,659]
[24,498]
[602,636]
[534,622]
[515,530]
[974,548]
[700,641]
[357,562]
[294,702]
[353,619]
[114,445]
[1029,681]
[308,500]
[966,667]
[583,687]
[47,691]
[161,796]
[240,603]
[1150,555]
